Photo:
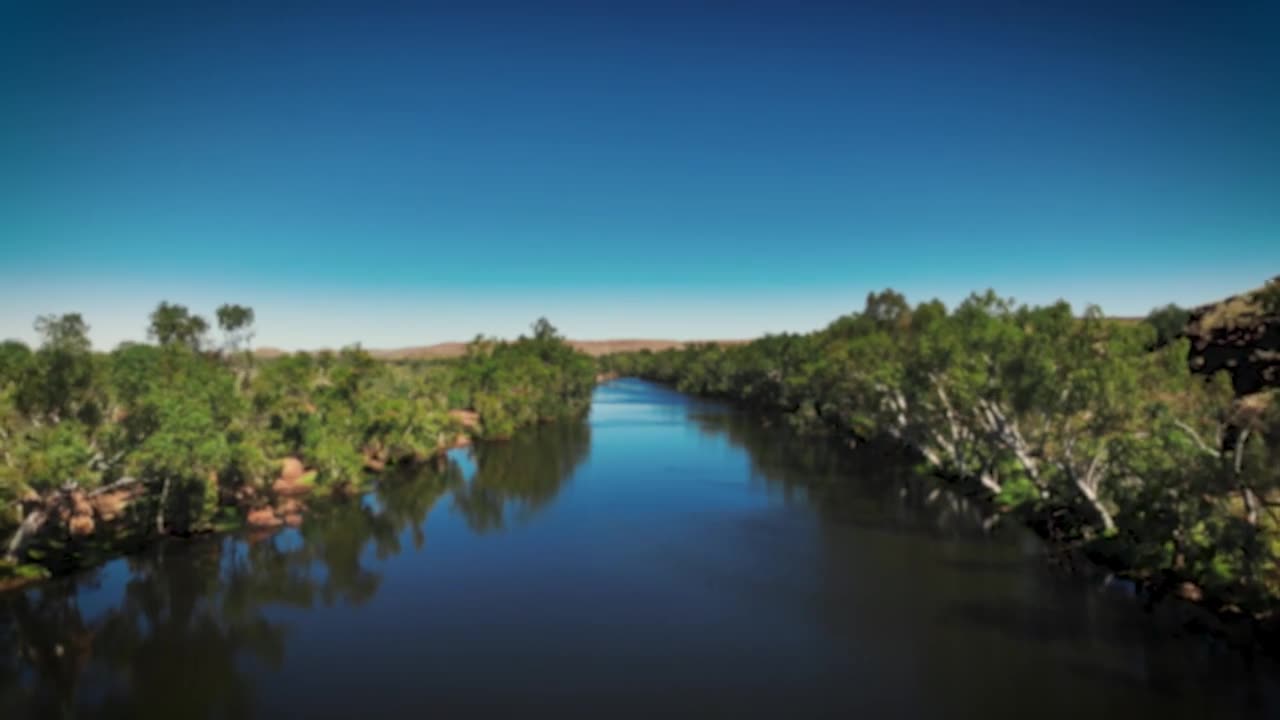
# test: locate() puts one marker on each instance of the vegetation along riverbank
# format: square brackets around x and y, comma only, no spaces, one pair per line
[1153,446]
[102,452]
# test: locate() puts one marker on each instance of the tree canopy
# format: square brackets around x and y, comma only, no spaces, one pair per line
[1091,429]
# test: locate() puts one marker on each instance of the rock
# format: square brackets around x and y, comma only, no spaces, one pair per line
[81,525]
[288,506]
[286,488]
[293,520]
[262,518]
[1241,335]
[111,504]
[291,469]
[80,504]
[293,479]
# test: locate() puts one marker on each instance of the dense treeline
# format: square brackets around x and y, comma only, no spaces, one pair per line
[1092,429]
[180,436]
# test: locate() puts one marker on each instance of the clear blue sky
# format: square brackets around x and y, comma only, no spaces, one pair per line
[397,176]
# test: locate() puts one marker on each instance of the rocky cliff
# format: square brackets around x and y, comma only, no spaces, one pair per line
[1240,335]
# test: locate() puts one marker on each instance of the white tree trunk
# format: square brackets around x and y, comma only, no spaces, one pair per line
[164,500]
[30,524]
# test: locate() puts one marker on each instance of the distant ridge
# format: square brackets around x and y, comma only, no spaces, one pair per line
[595,348]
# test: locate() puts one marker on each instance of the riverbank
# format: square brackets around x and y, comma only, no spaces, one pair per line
[1154,455]
[71,529]
[661,541]
[1175,605]
[104,452]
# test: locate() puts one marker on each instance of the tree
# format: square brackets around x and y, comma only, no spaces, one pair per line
[67,332]
[544,330]
[888,309]
[173,324]
[15,358]
[236,323]
[1169,322]
[59,381]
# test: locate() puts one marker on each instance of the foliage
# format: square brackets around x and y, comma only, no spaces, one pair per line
[532,379]
[236,323]
[1046,411]
[174,324]
[194,427]
[1169,322]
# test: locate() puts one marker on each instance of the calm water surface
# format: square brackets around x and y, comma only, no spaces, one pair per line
[663,557]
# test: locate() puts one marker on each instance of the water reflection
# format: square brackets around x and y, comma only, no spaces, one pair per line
[957,586]
[192,624]
[686,556]
[516,479]
[889,492]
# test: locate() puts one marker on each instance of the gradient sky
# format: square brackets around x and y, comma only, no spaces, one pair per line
[685,170]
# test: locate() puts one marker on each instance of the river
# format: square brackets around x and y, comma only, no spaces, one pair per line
[665,556]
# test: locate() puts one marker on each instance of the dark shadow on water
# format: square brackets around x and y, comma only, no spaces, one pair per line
[875,486]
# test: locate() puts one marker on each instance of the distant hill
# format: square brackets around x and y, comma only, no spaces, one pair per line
[595,348]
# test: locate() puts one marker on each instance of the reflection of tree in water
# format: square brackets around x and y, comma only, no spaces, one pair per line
[192,614]
[42,633]
[190,626]
[521,476]
[164,650]
[875,485]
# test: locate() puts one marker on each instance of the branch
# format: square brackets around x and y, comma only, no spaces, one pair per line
[1195,437]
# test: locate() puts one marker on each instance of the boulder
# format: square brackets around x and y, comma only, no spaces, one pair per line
[111,502]
[286,488]
[80,504]
[262,518]
[81,525]
[291,469]
[293,480]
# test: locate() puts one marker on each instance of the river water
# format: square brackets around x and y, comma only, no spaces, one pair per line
[665,556]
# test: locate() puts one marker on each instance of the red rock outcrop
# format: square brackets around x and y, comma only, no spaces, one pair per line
[291,482]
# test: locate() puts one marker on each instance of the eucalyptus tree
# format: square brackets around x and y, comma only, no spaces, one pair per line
[236,323]
[173,324]
[59,380]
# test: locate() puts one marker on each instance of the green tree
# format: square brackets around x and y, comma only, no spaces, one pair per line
[173,324]
[544,330]
[15,359]
[59,382]
[236,323]
[1169,322]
